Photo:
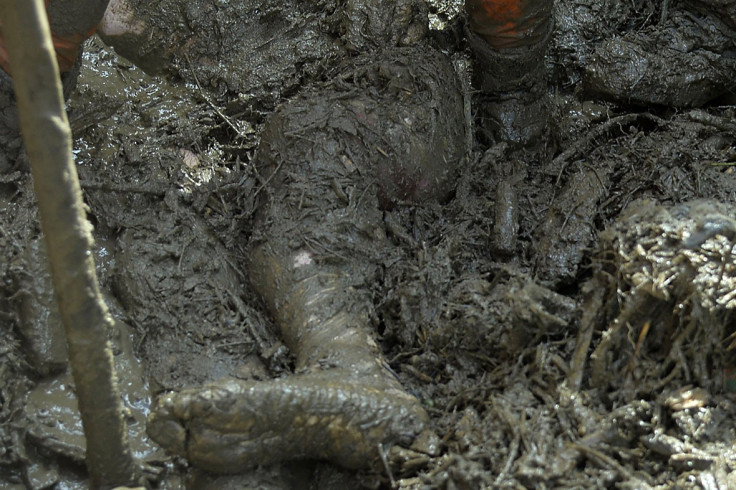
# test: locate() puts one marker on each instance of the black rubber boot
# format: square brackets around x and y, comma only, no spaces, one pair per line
[512,104]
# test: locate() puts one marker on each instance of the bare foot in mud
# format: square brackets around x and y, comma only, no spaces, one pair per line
[330,159]
[235,425]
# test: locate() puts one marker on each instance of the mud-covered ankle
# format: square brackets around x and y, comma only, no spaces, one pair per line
[511,104]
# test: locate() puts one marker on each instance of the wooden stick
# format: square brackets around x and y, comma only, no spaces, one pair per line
[86,320]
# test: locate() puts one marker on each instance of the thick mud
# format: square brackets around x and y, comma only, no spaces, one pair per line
[561,317]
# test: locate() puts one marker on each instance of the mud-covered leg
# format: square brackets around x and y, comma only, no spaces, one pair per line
[342,406]
[330,160]
[509,40]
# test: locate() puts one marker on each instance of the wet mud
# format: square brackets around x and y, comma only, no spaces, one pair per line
[391,129]
[322,276]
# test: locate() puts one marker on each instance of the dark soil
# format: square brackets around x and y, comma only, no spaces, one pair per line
[564,315]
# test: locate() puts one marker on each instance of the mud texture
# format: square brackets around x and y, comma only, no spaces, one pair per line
[558,318]
[390,130]
[192,272]
[261,51]
[39,322]
[674,275]
[13,155]
[234,426]
[686,62]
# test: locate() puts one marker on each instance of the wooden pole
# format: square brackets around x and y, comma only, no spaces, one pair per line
[86,320]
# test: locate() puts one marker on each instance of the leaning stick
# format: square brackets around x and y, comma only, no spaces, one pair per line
[47,138]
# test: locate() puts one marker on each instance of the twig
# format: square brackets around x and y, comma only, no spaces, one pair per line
[268,179]
[217,110]
[705,118]
[384,461]
[606,461]
[562,160]
[111,187]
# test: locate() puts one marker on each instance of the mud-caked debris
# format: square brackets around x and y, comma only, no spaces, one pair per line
[128,146]
[579,27]
[54,423]
[38,315]
[255,49]
[376,23]
[181,290]
[568,229]
[500,318]
[675,281]
[683,63]
[680,252]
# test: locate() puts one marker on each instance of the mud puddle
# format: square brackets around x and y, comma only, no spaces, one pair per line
[564,318]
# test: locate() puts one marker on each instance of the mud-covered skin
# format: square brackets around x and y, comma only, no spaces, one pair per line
[259,50]
[331,159]
[74,16]
[238,424]
[151,34]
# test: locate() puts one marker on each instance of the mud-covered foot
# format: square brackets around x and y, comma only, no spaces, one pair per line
[125,27]
[232,425]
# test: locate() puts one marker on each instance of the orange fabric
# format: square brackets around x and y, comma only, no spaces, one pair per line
[503,13]
[509,23]
[67,49]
